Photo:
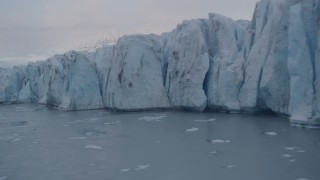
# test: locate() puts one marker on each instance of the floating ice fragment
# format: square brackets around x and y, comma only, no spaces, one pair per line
[213,152]
[192,129]
[219,141]
[109,123]
[141,167]
[153,118]
[290,148]
[302,179]
[3,178]
[35,142]
[125,170]
[77,121]
[286,155]
[301,151]
[207,120]
[15,140]
[230,166]
[292,160]
[271,133]
[77,138]
[297,149]
[92,147]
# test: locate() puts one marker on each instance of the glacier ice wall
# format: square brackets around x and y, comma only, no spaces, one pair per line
[225,76]
[271,63]
[266,80]
[135,79]
[187,62]
[68,81]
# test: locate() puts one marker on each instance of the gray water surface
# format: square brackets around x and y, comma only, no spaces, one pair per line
[39,143]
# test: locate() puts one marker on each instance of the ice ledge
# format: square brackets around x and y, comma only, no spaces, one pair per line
[303,123]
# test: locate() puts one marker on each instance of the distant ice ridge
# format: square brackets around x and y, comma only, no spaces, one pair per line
[269,64]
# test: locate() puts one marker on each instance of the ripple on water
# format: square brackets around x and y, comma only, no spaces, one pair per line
[91,132]
[77,138]
[93,119]
[13,124]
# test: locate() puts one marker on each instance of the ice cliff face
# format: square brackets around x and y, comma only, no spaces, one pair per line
[69,82]
[225,76]
[186,57]
[11,82]
[135,79]
[268,64]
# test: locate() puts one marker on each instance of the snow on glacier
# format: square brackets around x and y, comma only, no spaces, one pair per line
[268,64]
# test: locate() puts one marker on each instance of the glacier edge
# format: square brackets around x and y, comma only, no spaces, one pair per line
[268,64]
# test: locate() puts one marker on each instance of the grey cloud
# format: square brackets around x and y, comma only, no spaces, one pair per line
[47,27]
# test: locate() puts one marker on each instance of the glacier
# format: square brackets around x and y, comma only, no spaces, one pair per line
[268,64]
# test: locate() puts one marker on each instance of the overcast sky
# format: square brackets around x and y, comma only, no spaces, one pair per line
[36,29]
